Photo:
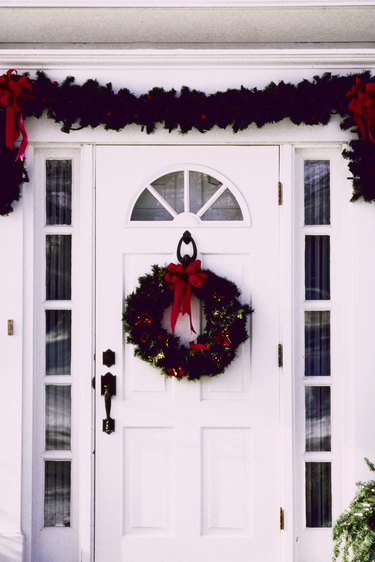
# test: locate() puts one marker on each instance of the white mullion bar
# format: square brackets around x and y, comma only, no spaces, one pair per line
[57,305]
[317,230]
[162,201]
[321,380]
[57,456]
[318,456]
[186,191]
[59,380]
[55,229]
[211,200]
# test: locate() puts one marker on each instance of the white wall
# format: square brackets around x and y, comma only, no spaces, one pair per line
[11,378]
[139,76]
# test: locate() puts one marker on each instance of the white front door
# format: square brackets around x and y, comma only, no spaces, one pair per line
[191,472]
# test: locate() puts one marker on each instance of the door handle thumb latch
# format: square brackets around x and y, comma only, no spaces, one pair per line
[108,389]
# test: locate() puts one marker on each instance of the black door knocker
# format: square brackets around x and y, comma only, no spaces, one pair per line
[186,238]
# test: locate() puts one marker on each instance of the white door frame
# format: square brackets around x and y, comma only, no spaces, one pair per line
[86,234]
[83,408]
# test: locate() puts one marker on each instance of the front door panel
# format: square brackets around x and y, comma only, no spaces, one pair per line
[190,473]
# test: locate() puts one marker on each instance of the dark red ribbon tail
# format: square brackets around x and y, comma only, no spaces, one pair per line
[23,145]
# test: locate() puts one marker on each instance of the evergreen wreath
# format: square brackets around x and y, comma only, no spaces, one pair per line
[213,350]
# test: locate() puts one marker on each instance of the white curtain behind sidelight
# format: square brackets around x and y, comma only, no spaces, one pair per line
[58,417]
[58,342]
[317,343]
[317,267]
[58,192]
[317,192]
[57,493]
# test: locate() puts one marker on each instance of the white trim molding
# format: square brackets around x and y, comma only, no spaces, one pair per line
[182,3]
[174,23]
[11,546]
[106,59]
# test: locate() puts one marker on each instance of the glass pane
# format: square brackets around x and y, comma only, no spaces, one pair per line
[317,343]
[171,188]
[225,208]
[58,417]
[318,418]
[58,342]
[318,494]
[147,208]
[317,192]
[201,188]
[57,494]
[317,268]
[58,266]
[59,191]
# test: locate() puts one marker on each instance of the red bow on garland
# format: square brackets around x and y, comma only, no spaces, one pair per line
[362,106]
[12,92]
[181,279]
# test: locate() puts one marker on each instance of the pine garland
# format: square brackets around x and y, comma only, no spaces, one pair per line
[310,102]
[13,175]
[92,104]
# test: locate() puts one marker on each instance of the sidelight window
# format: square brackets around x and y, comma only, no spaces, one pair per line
[58,317]
[61,349]
[317,310]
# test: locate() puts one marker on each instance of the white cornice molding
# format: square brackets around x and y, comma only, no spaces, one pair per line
[182,3]
[76,59]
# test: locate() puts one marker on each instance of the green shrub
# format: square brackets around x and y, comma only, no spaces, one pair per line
[354,530]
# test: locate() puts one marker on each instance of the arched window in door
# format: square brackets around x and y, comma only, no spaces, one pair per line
[187,191]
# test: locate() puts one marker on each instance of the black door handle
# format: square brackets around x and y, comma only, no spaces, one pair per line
[108,389]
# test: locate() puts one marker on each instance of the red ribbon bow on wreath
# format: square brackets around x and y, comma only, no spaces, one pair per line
[12,92]
[362,106]
[181,279]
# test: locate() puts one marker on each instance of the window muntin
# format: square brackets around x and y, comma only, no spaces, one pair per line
[187,191]
[171,188]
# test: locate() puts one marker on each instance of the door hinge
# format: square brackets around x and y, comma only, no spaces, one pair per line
[279,193]
[280,355]
[281,519]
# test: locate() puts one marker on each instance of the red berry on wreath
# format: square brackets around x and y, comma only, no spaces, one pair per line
[223,340]
[144,319]
[176,372]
